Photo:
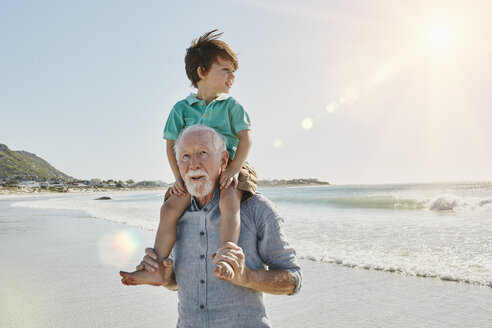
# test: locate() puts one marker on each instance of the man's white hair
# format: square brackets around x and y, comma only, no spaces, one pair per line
[219,141]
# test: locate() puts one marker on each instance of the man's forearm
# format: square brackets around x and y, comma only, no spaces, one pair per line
[278,282]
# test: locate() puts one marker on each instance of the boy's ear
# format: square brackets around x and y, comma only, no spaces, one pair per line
[201,72]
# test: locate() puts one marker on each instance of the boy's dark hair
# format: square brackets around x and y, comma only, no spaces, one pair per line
[204,51]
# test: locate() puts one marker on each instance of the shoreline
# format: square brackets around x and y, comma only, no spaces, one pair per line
[114,196]
[16,191]
[5,192]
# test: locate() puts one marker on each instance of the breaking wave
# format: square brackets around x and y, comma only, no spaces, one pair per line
[446,202]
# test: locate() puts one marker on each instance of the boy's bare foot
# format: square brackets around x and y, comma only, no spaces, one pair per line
[224,271]
[143,277]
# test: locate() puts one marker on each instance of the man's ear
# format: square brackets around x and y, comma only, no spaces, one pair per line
[202,73]
[224,160]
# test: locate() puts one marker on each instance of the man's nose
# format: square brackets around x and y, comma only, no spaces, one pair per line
[194,162]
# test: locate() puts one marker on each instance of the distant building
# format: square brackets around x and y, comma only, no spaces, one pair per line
[79,185]
[28,184]
[95,183]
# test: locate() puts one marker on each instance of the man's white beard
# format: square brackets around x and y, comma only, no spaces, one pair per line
[198,188]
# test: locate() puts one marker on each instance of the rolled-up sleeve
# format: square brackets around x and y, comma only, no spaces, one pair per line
[296,273]
[274,249]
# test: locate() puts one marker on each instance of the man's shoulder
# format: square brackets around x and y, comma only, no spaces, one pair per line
[260,208]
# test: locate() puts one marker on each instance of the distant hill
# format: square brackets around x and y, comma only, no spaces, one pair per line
[21,165]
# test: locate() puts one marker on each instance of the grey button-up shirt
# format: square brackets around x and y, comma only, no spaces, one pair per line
[205,300]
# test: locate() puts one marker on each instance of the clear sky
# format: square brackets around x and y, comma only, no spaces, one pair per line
[344,91]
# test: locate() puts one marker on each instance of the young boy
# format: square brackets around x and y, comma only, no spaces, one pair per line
[210,66]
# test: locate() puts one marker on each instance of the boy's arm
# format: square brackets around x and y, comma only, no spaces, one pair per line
[179,187]
[232,170]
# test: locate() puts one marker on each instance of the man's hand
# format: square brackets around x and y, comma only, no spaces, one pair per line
[149,262]
[229,177]
[277,281]
[233,254]
[179,188]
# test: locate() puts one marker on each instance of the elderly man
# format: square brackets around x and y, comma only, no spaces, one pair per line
[262,262]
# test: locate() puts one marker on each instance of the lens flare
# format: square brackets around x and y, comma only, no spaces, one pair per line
[116,249]
[23,302]
[307,123]
[278,143]
[380,75]
[330,108]
[351,94]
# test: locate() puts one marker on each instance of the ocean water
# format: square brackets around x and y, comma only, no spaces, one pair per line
[435,230]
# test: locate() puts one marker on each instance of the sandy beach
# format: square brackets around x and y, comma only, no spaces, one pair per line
[60,269]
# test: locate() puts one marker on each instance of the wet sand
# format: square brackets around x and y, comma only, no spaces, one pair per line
[60,269]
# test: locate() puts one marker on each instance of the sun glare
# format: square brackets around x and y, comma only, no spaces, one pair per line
[439,37]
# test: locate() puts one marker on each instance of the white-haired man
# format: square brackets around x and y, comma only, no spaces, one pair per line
[262,261]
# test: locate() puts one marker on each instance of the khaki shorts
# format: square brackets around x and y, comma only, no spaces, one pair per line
[247,182]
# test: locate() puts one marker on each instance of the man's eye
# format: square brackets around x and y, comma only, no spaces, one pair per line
[185,157]
[203,153]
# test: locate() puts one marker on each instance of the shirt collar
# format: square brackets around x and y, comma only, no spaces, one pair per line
[194,207]
[191,99]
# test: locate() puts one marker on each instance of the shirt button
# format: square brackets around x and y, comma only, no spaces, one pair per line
[206,115]
[202,256]
[202,306]
[202,233]
[202,281]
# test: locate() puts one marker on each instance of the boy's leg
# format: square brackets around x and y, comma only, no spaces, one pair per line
[230,226]
[171,211]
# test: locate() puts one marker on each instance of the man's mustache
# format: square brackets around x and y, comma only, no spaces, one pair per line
[196,173]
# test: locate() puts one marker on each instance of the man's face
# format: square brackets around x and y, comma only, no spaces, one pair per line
[199,163]
[220,76]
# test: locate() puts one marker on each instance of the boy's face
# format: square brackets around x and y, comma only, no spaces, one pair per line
[219,78]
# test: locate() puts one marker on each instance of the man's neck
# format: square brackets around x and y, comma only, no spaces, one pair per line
[202,201]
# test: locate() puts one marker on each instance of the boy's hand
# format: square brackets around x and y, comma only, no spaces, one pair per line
[227,177]
[179,188]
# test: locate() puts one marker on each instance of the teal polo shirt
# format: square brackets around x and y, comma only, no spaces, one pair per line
[224,114]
